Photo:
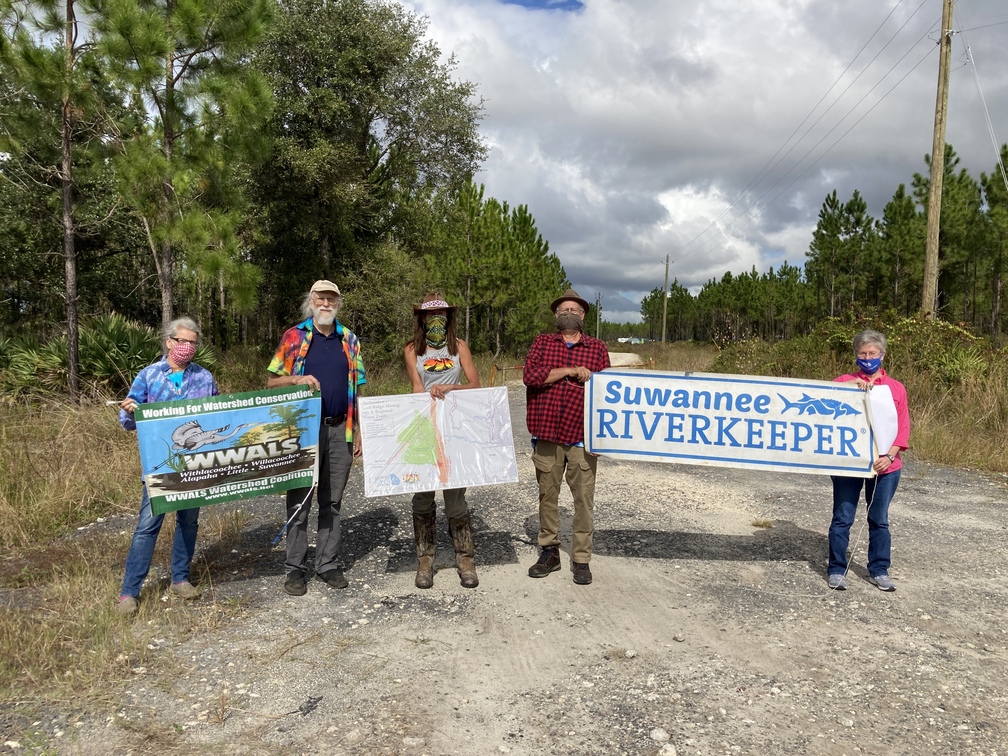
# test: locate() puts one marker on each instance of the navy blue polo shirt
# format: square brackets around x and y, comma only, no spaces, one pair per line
[327,361]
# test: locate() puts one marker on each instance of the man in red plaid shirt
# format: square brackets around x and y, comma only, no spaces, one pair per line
[556,369]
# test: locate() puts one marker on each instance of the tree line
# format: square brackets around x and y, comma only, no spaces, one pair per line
[214,157]
[856,262]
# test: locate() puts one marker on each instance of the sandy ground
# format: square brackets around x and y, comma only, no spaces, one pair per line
[704,632]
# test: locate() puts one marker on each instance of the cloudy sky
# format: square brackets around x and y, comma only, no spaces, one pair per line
[711,131]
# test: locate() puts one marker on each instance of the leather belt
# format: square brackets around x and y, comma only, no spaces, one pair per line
[334,420]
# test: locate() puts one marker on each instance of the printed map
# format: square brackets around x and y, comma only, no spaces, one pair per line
[415,443]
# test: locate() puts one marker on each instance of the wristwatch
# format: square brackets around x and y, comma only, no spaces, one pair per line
[891,458]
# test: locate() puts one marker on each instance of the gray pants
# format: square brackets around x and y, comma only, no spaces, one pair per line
[335,461]
[454,502]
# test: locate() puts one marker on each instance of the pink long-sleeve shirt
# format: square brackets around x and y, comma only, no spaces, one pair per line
[899,396]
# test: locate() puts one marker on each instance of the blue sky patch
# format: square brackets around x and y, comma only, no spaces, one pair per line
[564,5]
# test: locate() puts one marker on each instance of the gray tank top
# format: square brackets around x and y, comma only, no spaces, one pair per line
[437,366]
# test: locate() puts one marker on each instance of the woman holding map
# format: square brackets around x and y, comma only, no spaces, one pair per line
[436,359]
[174,376]
[869,350]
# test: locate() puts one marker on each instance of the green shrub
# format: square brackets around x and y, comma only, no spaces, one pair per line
[111,351]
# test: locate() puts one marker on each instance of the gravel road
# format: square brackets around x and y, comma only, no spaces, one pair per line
[709,629]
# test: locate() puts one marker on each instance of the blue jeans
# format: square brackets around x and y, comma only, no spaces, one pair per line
[145,536]
[846,493]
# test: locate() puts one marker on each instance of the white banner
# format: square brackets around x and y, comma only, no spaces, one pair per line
[412,442]
[751,422]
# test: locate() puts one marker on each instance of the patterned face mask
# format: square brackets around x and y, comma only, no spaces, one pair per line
[182,353]
[436,330]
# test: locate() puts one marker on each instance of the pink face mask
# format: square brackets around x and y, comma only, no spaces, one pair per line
[182,353]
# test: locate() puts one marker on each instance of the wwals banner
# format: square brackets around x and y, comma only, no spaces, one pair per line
[204,451]
[751,422]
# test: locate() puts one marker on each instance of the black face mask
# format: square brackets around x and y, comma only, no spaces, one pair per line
[568,321]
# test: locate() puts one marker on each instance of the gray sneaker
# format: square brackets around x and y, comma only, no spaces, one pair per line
[127,606]
[186,590]
[884,582]
[838,581]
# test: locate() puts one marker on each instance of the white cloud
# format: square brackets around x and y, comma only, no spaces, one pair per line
[630,128]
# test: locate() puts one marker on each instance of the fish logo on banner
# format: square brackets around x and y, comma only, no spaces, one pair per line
[822,406]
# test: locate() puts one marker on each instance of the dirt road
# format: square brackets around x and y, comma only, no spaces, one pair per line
[704,632]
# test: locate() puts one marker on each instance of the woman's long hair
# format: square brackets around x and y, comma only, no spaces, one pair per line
[420,336]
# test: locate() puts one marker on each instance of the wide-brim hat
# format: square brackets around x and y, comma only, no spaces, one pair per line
[323,285]
[433,303]
[570,295]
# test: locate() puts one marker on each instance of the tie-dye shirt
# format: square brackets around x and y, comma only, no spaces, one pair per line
[154,384]
[290,358]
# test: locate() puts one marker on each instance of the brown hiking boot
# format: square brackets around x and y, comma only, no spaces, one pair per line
[465,549]
[582,575]
[549,561]
[425,535]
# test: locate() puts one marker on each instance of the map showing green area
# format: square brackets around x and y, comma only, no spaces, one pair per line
[418,441]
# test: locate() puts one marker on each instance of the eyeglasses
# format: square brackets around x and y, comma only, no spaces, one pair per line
[569,311]
[182,341]
[329,298]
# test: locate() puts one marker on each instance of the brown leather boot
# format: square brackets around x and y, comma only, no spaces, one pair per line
[461,533]
[425,534]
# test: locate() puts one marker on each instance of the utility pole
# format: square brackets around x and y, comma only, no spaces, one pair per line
[664,312]
[598,313]
[929,295]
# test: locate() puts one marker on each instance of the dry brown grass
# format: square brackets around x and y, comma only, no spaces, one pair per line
[61,640]
[963,425]
[61,466]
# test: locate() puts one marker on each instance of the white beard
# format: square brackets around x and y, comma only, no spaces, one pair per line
[324,318]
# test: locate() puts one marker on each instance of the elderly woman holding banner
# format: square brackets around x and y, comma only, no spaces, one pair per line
[869,351]
[174,376]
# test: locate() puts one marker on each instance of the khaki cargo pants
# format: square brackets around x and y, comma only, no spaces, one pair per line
[551,461]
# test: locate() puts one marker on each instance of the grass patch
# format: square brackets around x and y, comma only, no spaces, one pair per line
[61,641]
[62,466]
[59,637]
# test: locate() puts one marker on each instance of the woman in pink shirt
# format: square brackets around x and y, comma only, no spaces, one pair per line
[869,350]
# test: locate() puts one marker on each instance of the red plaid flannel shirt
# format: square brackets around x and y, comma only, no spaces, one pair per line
[556,412]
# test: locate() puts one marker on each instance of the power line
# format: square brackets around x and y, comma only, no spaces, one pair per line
[773,199]
[759,176]
[991,131]
[731,228]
